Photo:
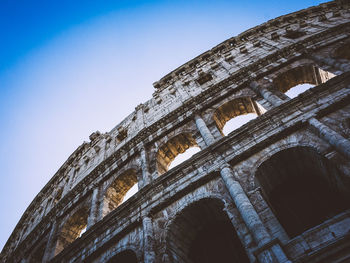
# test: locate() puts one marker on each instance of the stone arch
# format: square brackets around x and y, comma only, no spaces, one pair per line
[124,256]
[273,149]
[305,74]
[115,193]
[112,253]
[234,108]
[203,232]
[72,228]
[302,187]
[173,147]
[342,52]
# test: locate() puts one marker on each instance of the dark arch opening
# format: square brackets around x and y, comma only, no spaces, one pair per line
[303,188]
[126,256]
[297,80]
[202,232]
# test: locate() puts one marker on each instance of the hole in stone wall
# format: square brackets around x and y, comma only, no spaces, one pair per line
[307,74]
[121,189]
[180,158]
[127,256]
[237,122]
[235,113]
[72,229]
[82,231]
[133,190]
[298,89]
[202,232]
[294,34]
[303,188]
[172,148]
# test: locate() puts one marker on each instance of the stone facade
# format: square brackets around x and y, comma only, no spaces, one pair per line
[276,189]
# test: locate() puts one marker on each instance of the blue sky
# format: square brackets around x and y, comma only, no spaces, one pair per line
[69,68]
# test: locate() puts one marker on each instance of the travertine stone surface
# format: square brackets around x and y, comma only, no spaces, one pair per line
[254,188]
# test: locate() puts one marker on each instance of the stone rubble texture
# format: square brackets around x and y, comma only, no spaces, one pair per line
[226,180]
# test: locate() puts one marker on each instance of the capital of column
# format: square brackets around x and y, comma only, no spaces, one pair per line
[266,94]
[271,249]
[332,137]
[331,62]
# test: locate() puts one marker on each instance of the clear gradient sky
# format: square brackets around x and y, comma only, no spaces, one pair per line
[69,68]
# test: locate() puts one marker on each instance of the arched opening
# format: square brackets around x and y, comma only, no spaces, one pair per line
[297,80]
[126,256]
[72,229]
[173,148]
[303,188]
[181,157]
[121,189]
[202,232]
[235,113]
[343,52]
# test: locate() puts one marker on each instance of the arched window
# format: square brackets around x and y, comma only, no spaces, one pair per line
[122,188]
[343,52]
[72,229]
[173,148]
[126,256]
[297,80]
[202,232]
[235,113]
[303,188]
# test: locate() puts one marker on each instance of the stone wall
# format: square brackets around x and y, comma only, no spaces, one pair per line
[247,73]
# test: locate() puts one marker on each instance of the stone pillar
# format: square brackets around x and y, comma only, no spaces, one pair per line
[93,215]
[149,255]
[204,131]
[331,62]
[266,94]
[51,244]
[332,137]
[269,251]
[146,177]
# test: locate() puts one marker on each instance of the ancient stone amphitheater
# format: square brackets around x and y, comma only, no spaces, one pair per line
[276,189]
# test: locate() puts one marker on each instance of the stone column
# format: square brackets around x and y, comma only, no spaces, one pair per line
[51,244]
[332,137]
[266,94]
[93,215]
[204,131]
[149,255]
[146,177]
[331,62]
[269,250]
